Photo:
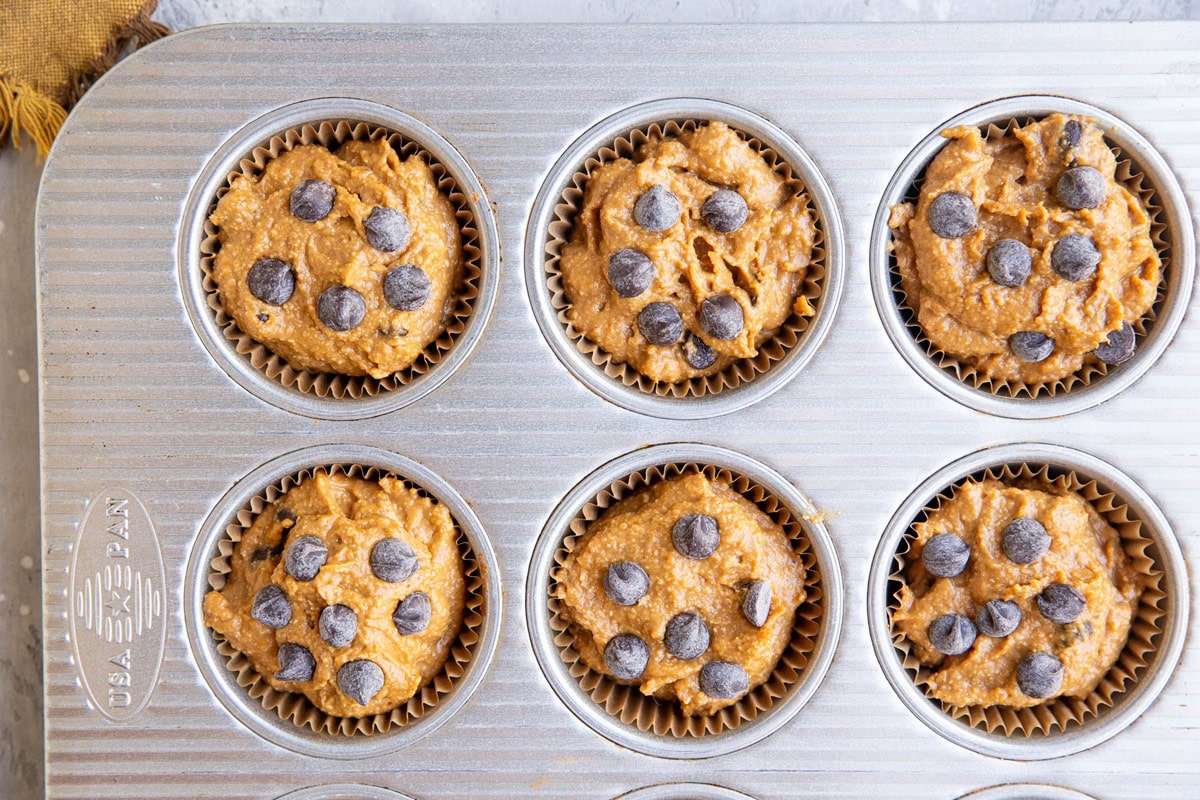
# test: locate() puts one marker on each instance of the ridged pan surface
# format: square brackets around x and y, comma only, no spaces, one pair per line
[134,408]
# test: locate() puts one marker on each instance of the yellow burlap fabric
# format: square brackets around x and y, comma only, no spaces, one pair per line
[52,50]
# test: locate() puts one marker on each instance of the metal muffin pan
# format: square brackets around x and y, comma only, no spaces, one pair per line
[134,404]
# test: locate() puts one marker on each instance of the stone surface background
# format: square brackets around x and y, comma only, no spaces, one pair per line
[20,563]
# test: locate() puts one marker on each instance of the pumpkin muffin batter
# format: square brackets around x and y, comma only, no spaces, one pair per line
[685,589]
[343,262]
[1015,596]
[1023,256]
[346,590]
[687,257]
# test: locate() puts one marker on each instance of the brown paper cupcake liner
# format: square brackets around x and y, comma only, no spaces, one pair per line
[1128,175]
[297,708]
[664,717]
[770,351]
[332,134]
[1145,633]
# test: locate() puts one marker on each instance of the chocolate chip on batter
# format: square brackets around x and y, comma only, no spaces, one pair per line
[660,323]
[696,536]
[625,583]
[406,287]
[657,209]
[305,557]
[1118,347]
[756,605]
[360,680]
[392,560]
[340,308]
[1031,346]
[1081,187]
[723,680]
[1075,257]
[626,656]
[1025,540]
[725,211]
[285,515]
[630,272]
[945,555]
[952,215]
[952,634]
[1070,134]
[271,607]
[998,618]
[271,281]
[1040,675]
[412,614]
[1061,603]
[263,317]
[387,229]
[1009,262]
[686,636]
[697,352]
[721,317]
[337,625]
[312,200]
[296,663]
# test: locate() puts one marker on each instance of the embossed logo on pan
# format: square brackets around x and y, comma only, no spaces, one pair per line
[116,605]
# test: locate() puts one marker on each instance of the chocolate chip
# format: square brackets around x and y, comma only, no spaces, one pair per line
[1009,262]
[285,515]
[721,317]
[1118,347]
[1031,346]
[952,634]
[392,560]
[1061,603]
[998,618]
[360,680]
[625,583]
[312,200]
[756,605]
[340,308]
[337,625]
[271,607]
[723,680]
[412,614]
[271,281]
[630,272]
[696,536]
[660,323]
[387,229]
[1025,540]
[952,215]
[1081,187]
[626,656]
[406,287]
[945,555]
[725,211]
[1075,257]
[657,209]
[1070,134]
[1040,675]
[296,663]
[697,352]
[686,636]
[263,317]
[305,557]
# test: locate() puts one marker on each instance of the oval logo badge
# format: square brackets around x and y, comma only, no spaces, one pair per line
[117,596]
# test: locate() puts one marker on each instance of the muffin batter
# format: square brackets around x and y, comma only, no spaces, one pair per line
[1077,264]
[331,228]
[697,218]
[311,571]
[726,610]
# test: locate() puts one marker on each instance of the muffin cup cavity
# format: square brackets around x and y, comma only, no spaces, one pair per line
[743,382]
[343,791]
[620,711]
[290,719]
[1064,725]
[330,123]
[1141,170]
[684,791]
[1026,791]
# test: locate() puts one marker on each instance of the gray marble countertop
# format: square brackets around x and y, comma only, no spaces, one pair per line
[20,584]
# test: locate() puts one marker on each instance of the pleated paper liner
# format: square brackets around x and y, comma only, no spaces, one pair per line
[776,344]
[1128,175]
[1144,636]
[664,717]
[331,134]
[298,709]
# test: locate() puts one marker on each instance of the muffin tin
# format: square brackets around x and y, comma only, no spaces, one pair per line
[139,405]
